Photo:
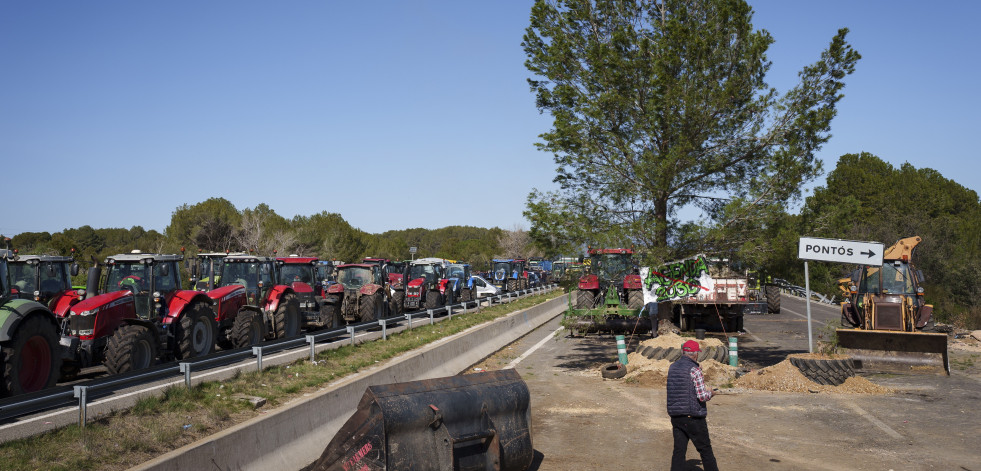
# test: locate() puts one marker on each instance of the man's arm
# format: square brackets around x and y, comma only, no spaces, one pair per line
[703,393]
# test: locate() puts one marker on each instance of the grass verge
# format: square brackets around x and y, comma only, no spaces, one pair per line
[158,424]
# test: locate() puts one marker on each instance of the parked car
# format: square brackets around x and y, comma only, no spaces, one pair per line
[484,287]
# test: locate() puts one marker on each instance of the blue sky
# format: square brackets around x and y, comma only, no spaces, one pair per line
[394,114]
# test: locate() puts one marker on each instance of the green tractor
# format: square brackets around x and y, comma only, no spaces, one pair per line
[609,298]
[31,354]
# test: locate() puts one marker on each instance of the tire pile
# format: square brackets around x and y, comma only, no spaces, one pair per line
[828,372]
[719,354]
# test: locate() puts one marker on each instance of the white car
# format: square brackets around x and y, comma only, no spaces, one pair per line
[484,287]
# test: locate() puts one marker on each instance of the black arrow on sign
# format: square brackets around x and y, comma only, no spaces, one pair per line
[869,253]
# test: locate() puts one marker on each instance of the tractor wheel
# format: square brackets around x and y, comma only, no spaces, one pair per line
[432,299]
[371,306]
[448,298]
[196,332]
[287,317]
[247,329]
[132,347]
[32,360]
[466,295]
[398,303]
[511,285]
[635,299]
[772,293]
[585,299]
[330,315]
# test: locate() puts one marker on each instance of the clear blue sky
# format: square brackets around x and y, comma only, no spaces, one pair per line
[113,113]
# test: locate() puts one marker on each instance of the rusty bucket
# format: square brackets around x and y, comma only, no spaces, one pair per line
[473,422]
[896,352]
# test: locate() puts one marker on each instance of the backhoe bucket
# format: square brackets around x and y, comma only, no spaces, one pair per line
[474,422]
[888,351]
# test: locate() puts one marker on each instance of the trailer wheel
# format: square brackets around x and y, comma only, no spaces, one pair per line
[635,299]
[247,329]
[585,299]
[31,361]
[131,347]
[772,293]
[287,317]
[195,332]
[370,306]
[614,371]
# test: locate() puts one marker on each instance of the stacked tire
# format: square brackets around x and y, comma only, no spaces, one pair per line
[719,354]
[826,372]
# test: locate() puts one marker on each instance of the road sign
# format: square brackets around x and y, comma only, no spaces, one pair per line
[412,250]
[841,251]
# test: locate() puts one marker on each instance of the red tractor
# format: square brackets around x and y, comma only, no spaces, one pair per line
[304,276]
[46,279]
[612,273]
[393,271]
[360,295]
[426,287]
[250,305]
[138,314]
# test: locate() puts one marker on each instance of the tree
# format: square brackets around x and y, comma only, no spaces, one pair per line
[662,106]
[516,244]
[209,225]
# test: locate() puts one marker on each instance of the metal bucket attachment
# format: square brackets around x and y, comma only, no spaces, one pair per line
[474,422]
[896,352]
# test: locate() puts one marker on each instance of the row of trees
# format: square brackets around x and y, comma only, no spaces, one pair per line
[217,225]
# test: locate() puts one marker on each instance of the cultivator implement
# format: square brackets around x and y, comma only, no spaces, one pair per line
[609,315]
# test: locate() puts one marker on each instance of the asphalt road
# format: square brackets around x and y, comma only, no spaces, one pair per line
[583,422]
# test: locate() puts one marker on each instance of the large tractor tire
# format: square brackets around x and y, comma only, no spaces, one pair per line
[825,371]
[330,315]
[448,297]
[772,293]
[196,332]
[511,285]
[466,295]
[371,307]
[432,299]
[635,299]
[32,360]
[585,299]
[247,329]
[398,303]
[287,318]
[132,347]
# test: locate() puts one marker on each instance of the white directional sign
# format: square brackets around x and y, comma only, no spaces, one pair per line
[841,251]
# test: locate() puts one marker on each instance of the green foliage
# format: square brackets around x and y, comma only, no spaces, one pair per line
[662,106]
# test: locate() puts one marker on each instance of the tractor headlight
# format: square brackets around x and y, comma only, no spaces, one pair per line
[37,296]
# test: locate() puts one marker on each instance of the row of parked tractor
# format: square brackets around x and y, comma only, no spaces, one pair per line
[136,309]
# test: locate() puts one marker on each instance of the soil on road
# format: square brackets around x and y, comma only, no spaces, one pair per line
[582,421]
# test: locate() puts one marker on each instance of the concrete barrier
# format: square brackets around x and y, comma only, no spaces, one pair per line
[295,435]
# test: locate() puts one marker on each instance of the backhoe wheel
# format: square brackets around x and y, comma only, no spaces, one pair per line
[32,360]
[247,329]
[132,347]
[772,298]
[287,318]
[635,299]
[196,332]
[371,306]
[398,303]
[432,299]
[585,299]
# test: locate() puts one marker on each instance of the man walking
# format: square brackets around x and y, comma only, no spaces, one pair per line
[687,396]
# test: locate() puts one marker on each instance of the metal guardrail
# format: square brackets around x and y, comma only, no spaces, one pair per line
[799,291]
[60,396]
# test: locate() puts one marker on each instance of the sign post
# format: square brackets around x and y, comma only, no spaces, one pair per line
[412,253]
[834,250]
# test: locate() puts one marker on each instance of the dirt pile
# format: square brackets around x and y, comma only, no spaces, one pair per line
[672,340]
[649,372]
[786,377]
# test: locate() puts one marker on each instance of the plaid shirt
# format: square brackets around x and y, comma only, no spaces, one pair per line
[700,390]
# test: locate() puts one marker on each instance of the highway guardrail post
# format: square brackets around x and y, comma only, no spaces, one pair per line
[408,317]
[313,347]
[430,311]
[257,351]
[81,392]
[186,369]
[350,330]
[384,324]
[449,312]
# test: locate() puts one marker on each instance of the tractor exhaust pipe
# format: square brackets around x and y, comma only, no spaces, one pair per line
[92,283]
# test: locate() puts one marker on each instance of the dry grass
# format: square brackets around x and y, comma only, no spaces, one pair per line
[156,425]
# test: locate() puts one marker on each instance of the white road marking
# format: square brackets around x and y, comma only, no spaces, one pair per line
[751,334]
[878,423]
[814,321]
[531,350]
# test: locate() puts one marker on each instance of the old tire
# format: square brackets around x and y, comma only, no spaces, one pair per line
[132,347]
[432,299]
[824,371]
[585,299]
[370,307]
[32,360]
[655,353]
[772,298]
[635,299]
[247,329]
[196,332]
[614,371]
[286,320]
[671,354]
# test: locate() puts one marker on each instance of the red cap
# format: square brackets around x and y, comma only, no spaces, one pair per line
[691,346]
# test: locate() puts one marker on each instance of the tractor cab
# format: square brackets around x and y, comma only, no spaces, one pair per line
[151,278]
[611,265]
[501,272]
[354,276]
[45,279]
[257,274]
[208,267]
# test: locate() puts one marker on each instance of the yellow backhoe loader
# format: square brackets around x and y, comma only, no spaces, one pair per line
[887,310]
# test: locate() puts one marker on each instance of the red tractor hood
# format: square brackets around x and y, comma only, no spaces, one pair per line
[102,300]
[219,294]
[301,287]
[416,282]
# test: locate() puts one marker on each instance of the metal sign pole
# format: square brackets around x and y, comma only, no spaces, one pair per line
[807,292]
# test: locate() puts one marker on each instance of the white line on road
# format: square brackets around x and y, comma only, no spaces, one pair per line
[878,423]
[532,349]
[751,334]
[815,321]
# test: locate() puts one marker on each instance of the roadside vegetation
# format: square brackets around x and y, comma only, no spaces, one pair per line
[159,424]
